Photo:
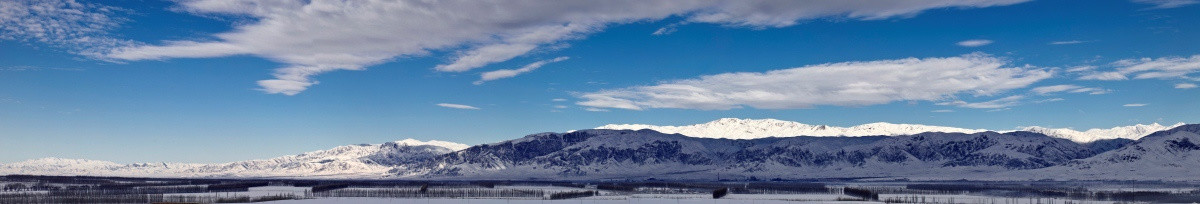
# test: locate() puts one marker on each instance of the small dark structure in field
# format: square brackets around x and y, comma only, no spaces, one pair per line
[720,193]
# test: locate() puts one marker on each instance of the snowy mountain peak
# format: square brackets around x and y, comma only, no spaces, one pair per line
[735,128]
[1132,132]
[439,143]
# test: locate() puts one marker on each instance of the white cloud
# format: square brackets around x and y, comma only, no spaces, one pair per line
[992,104]
[1135,105]
[560,106]
[1185,85]
[974,43]
[1049,100]
[666,30]
[1166,4]
[1069,42]
[1091,90]
[558,99]
[457,106]
[596,109]
[942,111]
[1055,88]
[1069,88]
[314,37]
[507,73]
[840,84]
[81,28]
[999,109]
[1149,68]
[36,68]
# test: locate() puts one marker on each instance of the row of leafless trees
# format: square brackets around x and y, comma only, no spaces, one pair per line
[861,193]
[432,193]
[571,194]
[140,190]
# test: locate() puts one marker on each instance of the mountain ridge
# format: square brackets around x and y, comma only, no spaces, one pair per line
[736,128]
[648,154]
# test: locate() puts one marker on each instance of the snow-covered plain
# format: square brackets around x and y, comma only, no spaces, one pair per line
[707,199]
[927,198]
[637,198]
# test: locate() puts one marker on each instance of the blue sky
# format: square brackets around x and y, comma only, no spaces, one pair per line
[216,81]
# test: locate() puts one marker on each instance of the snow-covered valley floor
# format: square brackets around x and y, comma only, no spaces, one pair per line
[49,189]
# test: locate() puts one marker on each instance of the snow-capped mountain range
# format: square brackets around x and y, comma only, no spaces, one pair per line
[645,154]
[350,161]
[730,148]
[734,128]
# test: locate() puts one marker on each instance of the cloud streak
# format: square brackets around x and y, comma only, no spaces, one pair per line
[509,73]
[457,106]
[1148,68]
[1069,42]
[992,104]
[319,36]
[839,84]
[1166,4]
[974,43]
[1043,90]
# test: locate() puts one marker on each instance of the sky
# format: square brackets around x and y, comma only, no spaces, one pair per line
[229,80]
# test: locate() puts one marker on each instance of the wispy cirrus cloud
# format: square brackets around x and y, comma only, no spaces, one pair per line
[314,37]
[1055,88]
[1148,68]
[1135,105]
[1166,4]
[838,84]
[592,109]
[1004,102]
[974,43]
[1068,42]
[1069,88]
[36,68]
[666,30]
[1049,100]
[457,106]
[1185,86]
[509,73]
